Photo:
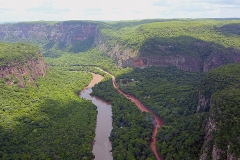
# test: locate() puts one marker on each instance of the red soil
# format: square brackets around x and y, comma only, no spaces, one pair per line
[143,108]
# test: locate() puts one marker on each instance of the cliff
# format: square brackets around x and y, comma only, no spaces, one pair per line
[203,56]
[190,46]
[60,35]
[19,67]
[199,45]
[219,96]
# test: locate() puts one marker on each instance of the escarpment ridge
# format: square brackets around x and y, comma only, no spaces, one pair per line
[190,45]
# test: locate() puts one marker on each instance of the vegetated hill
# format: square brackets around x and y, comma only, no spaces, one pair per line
[20,63]
[192,45]
[188,44]
[220,91]
[172,94]
[49,120]
[201,112]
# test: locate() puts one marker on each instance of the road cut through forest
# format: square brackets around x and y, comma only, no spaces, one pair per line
[157,120]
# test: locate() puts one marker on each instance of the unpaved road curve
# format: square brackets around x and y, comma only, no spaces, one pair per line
[143,108]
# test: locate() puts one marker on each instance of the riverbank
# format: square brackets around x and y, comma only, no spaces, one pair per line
[102,146]
[95,80]
[158,121]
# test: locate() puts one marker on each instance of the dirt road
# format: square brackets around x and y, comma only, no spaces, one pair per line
[143,108]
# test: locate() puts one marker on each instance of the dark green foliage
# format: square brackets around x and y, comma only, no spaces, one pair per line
[82,46]
[176,36]
[49,121]
[184,45]
[230,29]
[183,138]
[49,45]
[61,45]
[219,79]
[164,90]
[171,94]
[92,57]
[51,54]
[132,129]
[222,86]
[122,24]
[17,52]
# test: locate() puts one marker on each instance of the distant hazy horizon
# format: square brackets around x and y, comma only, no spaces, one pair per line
[115,10]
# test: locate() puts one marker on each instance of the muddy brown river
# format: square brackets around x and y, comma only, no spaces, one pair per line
[143,108]
[102,146]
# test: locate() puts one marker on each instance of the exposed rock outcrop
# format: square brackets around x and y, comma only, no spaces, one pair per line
[124,56]
[209,148]
[182,62]
[214,153]
[63,33]
[77,36]
[21,72]
[218,59]
[203,103]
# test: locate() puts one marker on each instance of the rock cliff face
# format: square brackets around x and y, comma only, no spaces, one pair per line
[63,33]
[69,32]
[21,72]
[194,55]
[79,36]
[24,31]
[209,148]
[125,57]
[218,96]
[183,62]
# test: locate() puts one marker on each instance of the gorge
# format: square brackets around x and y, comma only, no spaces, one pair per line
[185,71]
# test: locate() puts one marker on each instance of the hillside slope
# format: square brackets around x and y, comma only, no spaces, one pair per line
[20,63]
[42,117]
[220,87]
[73,36]
[200,111]
[191,45]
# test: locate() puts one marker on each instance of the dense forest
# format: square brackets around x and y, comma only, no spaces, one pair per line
[224,33]
[171,94]
[87,61]
[221,85]
[132,129]
[47,121]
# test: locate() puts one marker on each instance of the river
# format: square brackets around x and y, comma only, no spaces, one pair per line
[102,146]
[158,121]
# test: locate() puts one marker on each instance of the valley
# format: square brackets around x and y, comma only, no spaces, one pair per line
[185,71]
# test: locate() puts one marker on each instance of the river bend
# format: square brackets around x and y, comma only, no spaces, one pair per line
[102,146]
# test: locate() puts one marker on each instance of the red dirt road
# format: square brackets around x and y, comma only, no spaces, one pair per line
[143,108]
